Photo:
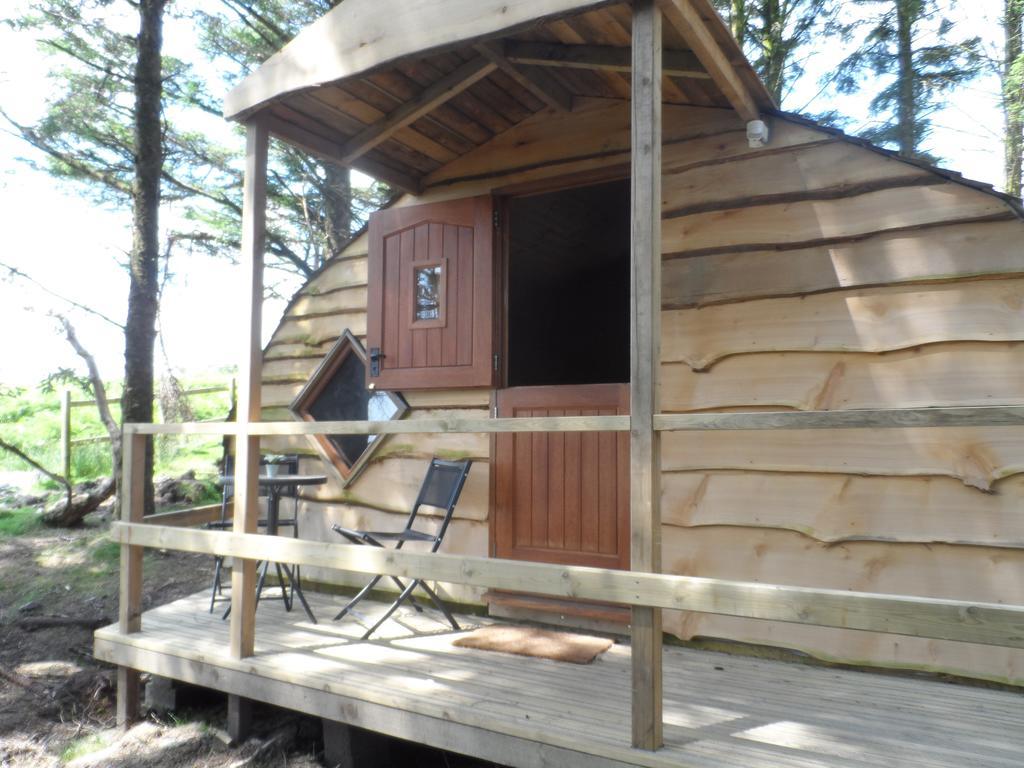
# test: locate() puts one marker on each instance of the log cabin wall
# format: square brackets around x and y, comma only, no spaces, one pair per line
[814,273]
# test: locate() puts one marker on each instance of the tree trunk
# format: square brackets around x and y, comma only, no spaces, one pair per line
[140,327]
[773,30]
[907,12]
[1013,93]
[337,207]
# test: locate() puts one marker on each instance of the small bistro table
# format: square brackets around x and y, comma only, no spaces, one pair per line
[275,486]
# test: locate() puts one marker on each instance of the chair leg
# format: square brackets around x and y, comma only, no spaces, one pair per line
[298,591]
[441,606]
[359,596]
[394,607]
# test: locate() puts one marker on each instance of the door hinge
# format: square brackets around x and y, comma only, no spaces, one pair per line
[496,218]
[496,362]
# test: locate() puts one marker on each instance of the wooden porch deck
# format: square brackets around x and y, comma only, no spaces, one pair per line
[720,711]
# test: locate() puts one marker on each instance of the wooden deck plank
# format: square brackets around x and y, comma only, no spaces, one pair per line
[538,682]
[720,710]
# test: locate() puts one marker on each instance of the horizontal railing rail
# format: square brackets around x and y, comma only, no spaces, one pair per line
[969,622]
[892,418]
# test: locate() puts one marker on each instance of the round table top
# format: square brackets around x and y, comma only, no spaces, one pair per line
[282,479]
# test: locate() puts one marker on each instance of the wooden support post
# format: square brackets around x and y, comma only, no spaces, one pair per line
[129,615]
[346,746]
[65,434]
[239,718]
[247,447]
[645,347]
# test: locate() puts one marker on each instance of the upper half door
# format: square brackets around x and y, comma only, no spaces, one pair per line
[431,295]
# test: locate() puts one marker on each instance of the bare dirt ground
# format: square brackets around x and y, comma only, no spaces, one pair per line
[57,702]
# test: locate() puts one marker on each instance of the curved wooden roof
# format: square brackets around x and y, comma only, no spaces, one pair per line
[400,88]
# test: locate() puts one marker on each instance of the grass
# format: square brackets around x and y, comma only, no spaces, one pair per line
[88,563]
[85,745]
[32,420]
[18,522]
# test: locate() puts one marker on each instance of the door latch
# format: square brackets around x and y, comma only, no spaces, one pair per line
[375,357]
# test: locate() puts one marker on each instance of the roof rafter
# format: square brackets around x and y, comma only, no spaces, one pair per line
[608,58]
[536,81]
[432,97]
[305,139]
[682,15]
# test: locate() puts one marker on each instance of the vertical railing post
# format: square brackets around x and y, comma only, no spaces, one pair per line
[129,618]
[645,347]
[65,434]
[247,447]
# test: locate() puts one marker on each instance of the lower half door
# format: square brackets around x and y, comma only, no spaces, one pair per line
[563,497]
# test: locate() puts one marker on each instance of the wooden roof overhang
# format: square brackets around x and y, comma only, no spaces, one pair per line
[400,88]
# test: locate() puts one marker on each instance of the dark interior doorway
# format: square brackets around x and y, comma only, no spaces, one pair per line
[568,287]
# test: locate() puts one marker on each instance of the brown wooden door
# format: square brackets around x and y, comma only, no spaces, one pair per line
[431,295]
[563,497]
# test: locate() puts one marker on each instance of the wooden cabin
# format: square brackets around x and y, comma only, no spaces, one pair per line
[771,369]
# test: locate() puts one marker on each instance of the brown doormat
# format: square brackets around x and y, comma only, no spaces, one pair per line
[542,643]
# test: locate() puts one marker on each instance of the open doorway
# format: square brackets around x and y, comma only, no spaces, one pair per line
[568,287]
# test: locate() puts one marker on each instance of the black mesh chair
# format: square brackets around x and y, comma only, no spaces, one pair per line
[289,465]
[441,488]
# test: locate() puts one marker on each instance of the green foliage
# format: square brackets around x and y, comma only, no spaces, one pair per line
[911,45]
[86,134]
[32,421]
[18,522]
[773,33]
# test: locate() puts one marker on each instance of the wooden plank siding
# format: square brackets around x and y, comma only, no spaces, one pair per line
[812,274]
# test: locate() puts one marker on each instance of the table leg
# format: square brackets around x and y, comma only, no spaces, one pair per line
[297,590]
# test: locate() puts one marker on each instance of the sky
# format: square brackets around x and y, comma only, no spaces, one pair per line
[75,247]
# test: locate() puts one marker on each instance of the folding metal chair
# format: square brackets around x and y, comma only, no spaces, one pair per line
[441,488]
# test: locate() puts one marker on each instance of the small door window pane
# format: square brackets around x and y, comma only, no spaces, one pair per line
[428,293]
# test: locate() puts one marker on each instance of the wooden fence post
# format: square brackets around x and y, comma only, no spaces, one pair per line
[645,321]
[65,433]
[132,490]
[247,447]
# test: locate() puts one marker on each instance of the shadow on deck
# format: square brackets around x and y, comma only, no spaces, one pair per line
[720,711]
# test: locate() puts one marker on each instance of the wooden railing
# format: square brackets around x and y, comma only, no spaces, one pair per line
[984,623]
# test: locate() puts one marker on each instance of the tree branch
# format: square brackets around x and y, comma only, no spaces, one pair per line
[15,272]
[38,467]
[99,391]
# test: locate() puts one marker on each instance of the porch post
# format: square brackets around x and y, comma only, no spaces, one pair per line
[129,614]
[645,354]
[247,447]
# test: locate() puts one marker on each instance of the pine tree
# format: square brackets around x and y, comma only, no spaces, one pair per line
[312,201]
[773,32]
[105,130]
[1013,93]
[908,42]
